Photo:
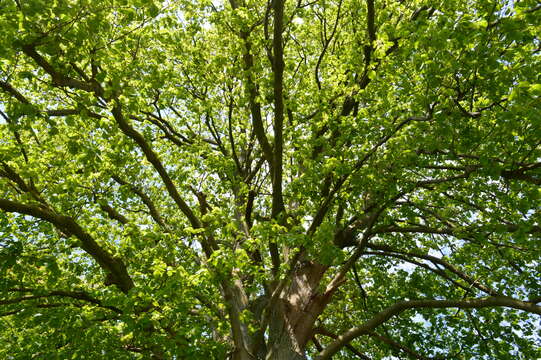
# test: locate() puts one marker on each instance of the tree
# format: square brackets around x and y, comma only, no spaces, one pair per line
[270,180]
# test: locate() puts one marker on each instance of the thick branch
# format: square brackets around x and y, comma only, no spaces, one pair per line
[519,174]
[13,92]
[370,20]
[278,67]
[133,134]
[10,174]
[324,207]
[114,266]
[325,332]
[399,307]
[58,78]
[340,276]
[253,93]
[53,112]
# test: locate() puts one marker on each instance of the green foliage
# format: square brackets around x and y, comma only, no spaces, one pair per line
[140,209]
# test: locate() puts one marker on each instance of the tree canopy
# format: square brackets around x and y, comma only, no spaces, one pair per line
[247,179]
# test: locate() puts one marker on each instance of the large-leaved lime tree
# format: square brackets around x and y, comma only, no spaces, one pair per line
[270,179]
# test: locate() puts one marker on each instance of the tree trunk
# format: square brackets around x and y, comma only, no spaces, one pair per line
[282,341]
[292,318]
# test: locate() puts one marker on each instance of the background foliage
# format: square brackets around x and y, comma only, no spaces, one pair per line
[172,172]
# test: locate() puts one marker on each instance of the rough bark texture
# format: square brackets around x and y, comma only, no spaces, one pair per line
[294,315]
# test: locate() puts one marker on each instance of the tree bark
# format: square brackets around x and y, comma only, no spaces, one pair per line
[293,316]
